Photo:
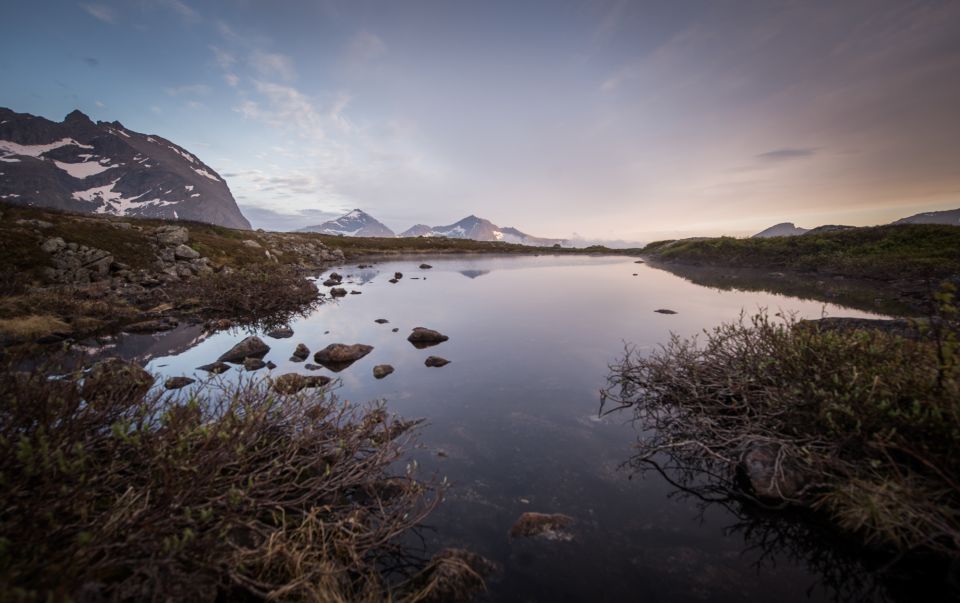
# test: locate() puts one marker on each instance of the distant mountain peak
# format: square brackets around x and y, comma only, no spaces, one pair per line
[478,229]
[783,229]
[354,223]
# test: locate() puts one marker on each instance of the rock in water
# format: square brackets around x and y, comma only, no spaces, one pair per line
[253,364]
[664,311]
[338,292]
[422,337]
[301,353]
[543,525]
[115,379]
[338,356]
[178,382]
[216,367]
[436,361]
[251,347]
[291,383]
[425,266]
[398,275]
[381,321]
[382,370]
[283,332]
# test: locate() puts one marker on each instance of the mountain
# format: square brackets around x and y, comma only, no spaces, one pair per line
[479,229]
[356,223]
[828,228]
[950,216]
[81,166]
[784,229]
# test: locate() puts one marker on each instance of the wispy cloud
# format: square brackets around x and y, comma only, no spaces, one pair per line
[269,64]
[365,46]
[186,12]
[786,154]
[223,58]
[101,12]
[189,90]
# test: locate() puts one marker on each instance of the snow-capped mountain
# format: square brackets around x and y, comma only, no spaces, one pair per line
[356,223]
[82,166]
[479,229]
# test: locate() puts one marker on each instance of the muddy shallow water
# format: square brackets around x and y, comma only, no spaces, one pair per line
[515,416]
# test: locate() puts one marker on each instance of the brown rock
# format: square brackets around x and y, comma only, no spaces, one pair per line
[300,353]
[338,356]
[178,382]
[291,383]
[422,337]
[542,525]
[382,370]
[251,347]
[436,361]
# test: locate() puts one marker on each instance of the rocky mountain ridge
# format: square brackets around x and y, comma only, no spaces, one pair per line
[104,168]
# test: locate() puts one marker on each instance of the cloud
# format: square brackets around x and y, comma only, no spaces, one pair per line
[189,90]
[186,12]
[223,58]
[232,79]
[273,65]
[101,12]
[285,107]
[365,46]
[786,154]
[268,219]
[91,61]
[99,104]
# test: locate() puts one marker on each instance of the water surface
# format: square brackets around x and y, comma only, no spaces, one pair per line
[515,415]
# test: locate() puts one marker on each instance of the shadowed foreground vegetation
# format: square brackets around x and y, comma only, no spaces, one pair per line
[229,493]
[886,253]
[860,425]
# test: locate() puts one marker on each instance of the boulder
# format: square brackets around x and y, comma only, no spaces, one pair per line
[338,356]
[664,311]
[291,383]
[53,245]
[543,525]
[185,252]
[115,379]
[422,337]
[436,361]
[253,364]
[251,347]
[398,275]
[338,292]
[251,244]
[178,382]
[763,472]
[330,283]
[425,266]
[172,235]
[382,370]
[300,353]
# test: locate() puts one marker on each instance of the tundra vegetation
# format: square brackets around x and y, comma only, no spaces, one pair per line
[857,425]
[114,492]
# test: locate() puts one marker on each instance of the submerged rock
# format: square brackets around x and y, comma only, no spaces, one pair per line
[178,382]
[381,321]
[116,379]
[425,266]
[301,353]
[436,361]
[393,280]
[639,262]
[454,575]
[422,337]
[330,283]
[543,525]
[398,275]
[664,311]
[312,367]
[251,347]
[291,383]
[338,356]
[382,370]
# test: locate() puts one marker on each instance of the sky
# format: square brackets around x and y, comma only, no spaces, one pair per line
[604,119]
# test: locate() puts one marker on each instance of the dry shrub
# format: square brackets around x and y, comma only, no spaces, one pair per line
[231,492]
[861,424]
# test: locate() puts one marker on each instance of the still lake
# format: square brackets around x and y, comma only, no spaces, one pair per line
[515,415]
